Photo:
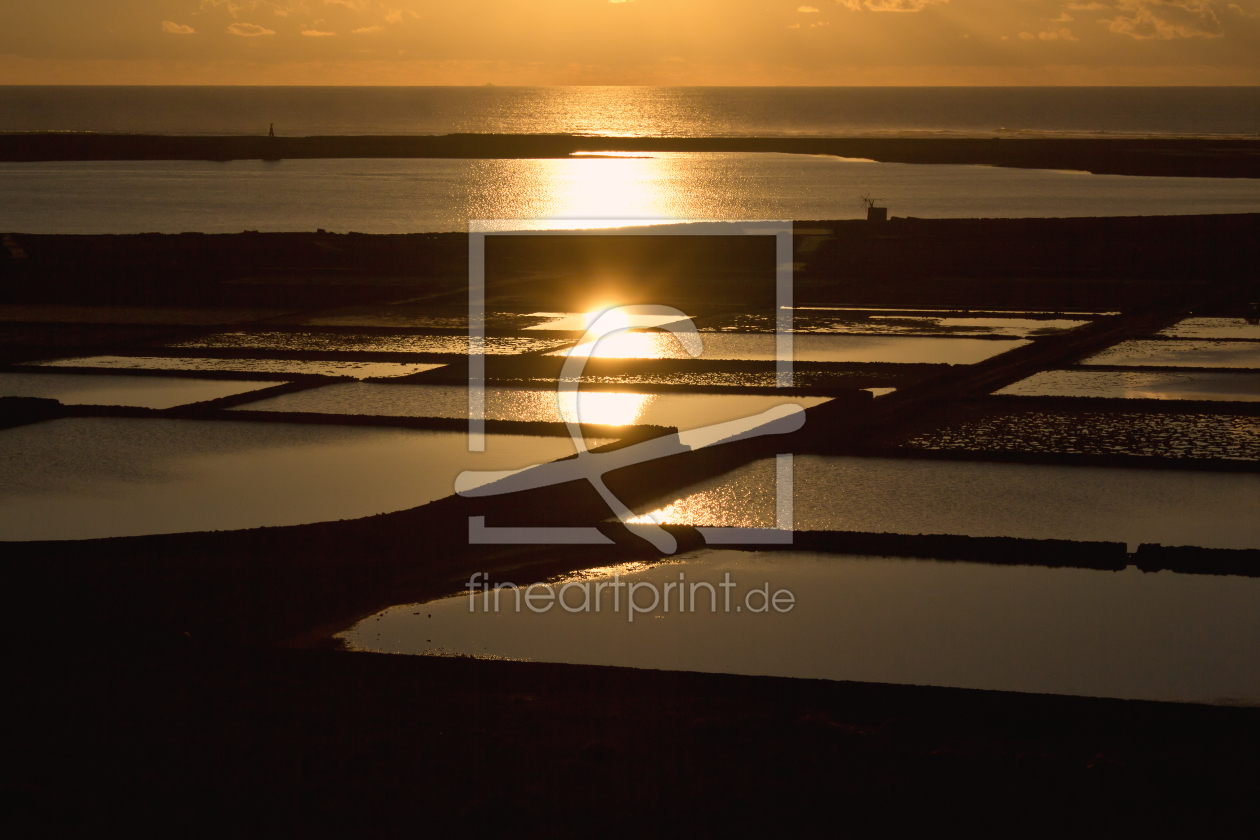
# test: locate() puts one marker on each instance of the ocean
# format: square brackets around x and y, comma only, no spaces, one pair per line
[637,111]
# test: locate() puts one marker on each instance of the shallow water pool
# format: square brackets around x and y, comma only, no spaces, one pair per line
[1035,501]
[805,348]
[613,408]
[1064,631]
[359,370]
[1209,354]
[141,391]
[80,478]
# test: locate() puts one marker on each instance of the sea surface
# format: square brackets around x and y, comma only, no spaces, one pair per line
[636,111]
[414,195]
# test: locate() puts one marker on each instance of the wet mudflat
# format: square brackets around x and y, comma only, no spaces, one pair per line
[1142,385]
[847,321]
[1234,437]
[1059,631]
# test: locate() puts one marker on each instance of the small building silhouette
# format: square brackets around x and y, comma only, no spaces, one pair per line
[876,214]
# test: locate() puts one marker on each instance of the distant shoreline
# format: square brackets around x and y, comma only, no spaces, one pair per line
[1188,157]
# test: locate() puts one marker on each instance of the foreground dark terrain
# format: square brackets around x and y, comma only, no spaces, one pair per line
[189,684]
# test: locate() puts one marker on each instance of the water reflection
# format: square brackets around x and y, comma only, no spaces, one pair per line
[409,195]
[613,408]
[1237,328]
[627,318]
[141,391]
[1065,631]
[359,370]
[308,342]
[805,348]
[905,496]
[1134,384]
[96,477]
[1186,353]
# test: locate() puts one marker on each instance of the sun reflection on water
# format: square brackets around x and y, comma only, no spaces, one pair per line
[605,408]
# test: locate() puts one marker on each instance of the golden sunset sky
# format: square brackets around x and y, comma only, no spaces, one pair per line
[638,42]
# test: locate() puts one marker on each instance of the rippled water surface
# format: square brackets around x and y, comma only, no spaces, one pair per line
[906,496]
[1215,354]
[1233,437]
[1063,631]
[805,348]
[837,322]
[359,370]
[96,477]
[631,111]
[1214,328]
[1134,384]
[142,391]
[614,408]
[299,342]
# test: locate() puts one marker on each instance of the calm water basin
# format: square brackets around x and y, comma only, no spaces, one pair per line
[410,195]
[1062,631]
[103,477]
[1210,354]
[1237,328]
[1134,384]
[805,348]
[359,370]
[613,408]
[908,496]
[142,391]
[299,342]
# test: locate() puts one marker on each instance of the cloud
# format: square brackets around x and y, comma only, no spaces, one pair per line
[1057,35]
[368,30]
[315,33]
[807,10]
[249,30]
[393,16]
[176,28]
[232,6]
[1086,7]
[900,5]
[1165,20]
